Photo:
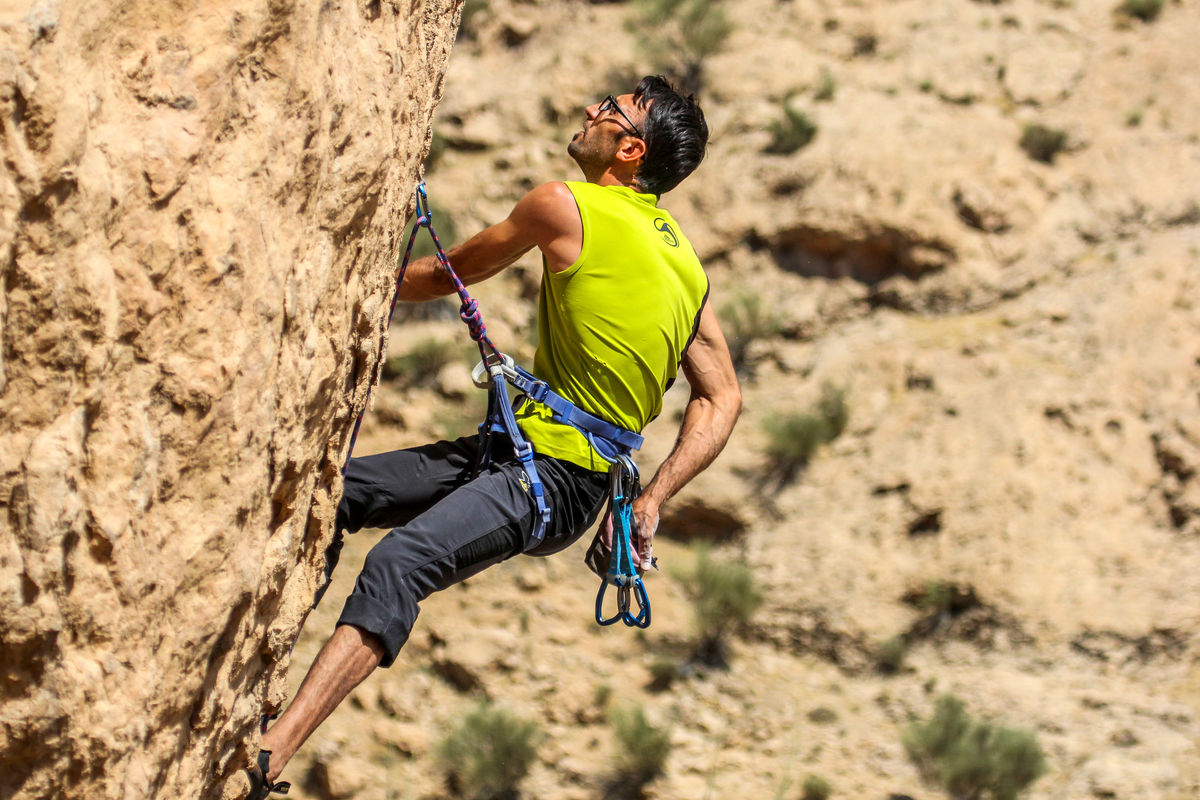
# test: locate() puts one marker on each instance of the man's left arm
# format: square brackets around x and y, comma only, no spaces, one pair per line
[711,413]
[546,218]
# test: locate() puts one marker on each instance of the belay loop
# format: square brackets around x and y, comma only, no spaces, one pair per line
[496,372]
[622,573]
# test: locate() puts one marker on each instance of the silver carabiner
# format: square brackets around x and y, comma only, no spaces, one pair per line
[481,374]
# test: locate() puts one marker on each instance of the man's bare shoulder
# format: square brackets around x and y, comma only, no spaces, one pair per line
[549,214]
[548,199]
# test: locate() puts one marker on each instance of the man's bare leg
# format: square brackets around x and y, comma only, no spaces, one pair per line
[345,661]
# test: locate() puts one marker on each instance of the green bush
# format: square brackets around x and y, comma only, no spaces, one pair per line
[745,320]
[815,788]
[680,35]
[489,751]
[1145,10]
[791,133]
[421,363]
[935,597]
[663,672]
[725,596]
[826,86]
[833,411]
[794,438]
[641,747]
[972,759]
[890,655]
[1042,143]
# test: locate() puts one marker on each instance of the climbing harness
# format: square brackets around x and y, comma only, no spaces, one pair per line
[496,372]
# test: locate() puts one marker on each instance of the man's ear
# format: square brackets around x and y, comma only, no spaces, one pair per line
[631,149]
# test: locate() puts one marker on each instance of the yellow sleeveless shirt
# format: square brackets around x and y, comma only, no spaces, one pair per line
[612,327]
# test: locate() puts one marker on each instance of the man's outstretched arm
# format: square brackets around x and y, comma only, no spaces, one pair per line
[546,218]
[712,410]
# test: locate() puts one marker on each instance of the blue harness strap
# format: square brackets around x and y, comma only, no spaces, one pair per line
[496,372]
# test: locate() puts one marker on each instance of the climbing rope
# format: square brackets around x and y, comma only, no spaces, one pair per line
[468,311]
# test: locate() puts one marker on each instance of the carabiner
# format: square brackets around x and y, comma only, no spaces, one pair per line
[423,212]
[600,606]
[638,590]
[642,620]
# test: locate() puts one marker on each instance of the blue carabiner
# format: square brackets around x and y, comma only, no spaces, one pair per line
[642,620]
[600,618]
[638,590]
[423,212]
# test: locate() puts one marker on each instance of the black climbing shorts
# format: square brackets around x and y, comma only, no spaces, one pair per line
[447,527]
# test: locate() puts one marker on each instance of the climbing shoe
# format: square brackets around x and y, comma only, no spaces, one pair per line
[260,787]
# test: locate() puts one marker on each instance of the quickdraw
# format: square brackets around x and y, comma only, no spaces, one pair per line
[622,573]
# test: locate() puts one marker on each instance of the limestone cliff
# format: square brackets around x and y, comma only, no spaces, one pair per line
[200,208]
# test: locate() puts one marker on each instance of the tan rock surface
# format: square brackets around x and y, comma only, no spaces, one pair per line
[199,211]
[1020,343]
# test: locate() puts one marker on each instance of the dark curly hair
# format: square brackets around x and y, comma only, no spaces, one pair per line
[675,133]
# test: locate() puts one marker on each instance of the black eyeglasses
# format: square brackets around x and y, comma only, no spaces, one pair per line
[610,104]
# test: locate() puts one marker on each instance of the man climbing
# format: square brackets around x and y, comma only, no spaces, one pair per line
[623,305]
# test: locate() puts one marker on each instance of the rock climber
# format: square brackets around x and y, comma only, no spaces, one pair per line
[624,304]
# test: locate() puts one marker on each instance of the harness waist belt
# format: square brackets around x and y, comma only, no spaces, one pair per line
[608,439]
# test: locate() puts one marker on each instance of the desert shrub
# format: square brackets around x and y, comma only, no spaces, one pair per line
[642,747]
[795,437]
[889,656]
[822,715]
[421,363]
[1042,143]
[601,695]
[745,320]
[826,86]
[680,35]
[489,751]
[1145,10]
[815,788]
[724,597]
[833,411]
[794,131]
[663,672]
[973,759]
[935,597]
[865,44]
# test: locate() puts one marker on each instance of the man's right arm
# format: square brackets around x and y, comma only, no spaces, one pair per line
[708,420]
[547,218]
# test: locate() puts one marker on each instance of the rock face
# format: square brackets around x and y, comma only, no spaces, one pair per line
[200,208]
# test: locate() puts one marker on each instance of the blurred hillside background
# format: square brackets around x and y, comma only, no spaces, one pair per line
[955,246]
